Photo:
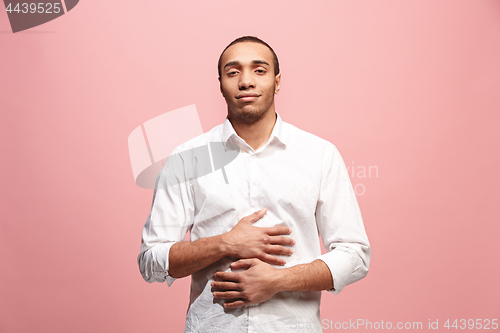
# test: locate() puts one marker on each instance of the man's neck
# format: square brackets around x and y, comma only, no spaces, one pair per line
[258,133]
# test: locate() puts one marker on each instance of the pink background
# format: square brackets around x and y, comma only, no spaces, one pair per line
[410,87]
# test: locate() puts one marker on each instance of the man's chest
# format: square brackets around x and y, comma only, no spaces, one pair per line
[287,184]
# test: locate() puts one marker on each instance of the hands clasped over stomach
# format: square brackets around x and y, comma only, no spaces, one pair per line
[256,248]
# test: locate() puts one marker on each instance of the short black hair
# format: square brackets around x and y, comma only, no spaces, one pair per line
[251,39]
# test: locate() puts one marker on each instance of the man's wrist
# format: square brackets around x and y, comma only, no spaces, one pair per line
[225,247]
[280,279]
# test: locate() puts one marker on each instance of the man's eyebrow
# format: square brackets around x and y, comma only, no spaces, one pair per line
[254,62]
[260,62]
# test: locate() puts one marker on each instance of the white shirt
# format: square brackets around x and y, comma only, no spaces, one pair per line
[303,182]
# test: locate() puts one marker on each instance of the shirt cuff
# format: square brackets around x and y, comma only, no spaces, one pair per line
[160,270]
[339,263]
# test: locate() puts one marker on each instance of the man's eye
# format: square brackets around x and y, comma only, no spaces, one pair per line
[261,71]
[232,73]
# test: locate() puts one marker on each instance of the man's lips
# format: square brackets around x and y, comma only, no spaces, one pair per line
[247,97]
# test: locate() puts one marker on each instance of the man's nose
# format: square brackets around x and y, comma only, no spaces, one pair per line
[246,80]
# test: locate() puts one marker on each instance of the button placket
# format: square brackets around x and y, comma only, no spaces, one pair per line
[251,181]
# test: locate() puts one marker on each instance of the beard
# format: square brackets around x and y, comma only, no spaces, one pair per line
[250,114]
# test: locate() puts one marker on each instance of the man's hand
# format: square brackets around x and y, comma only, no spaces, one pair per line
[260,281]
[246,241]
[256,284]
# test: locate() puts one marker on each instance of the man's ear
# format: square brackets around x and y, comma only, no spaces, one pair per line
[277,83]
[220,86]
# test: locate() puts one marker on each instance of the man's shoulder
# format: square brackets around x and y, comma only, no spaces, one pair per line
[300,136]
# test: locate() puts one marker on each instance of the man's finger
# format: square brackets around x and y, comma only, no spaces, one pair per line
[281,240]
[276,231]
[226,276]
[235,304]
[243,263]
[258,215]
[278,249]
[225,286]
[227,294]
[272,260]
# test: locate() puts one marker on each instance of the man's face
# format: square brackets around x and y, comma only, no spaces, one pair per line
[248,82]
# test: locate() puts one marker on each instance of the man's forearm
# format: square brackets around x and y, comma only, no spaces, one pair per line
[315,276]
[243,241]
[186,258]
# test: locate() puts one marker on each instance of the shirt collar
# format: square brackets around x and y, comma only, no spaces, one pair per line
[278,132]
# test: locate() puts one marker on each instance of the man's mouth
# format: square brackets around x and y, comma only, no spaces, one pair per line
[247,97]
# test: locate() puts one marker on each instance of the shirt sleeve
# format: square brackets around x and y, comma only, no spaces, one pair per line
[170,218]
[340,223]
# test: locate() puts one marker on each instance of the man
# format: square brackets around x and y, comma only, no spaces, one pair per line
[254,254]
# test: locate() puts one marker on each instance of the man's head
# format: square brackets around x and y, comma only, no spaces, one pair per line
[251,39]
[249,77]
